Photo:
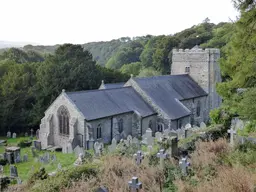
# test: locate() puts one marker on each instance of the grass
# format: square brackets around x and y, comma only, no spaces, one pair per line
[25,168]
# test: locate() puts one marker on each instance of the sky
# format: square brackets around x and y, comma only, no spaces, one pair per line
[49,22]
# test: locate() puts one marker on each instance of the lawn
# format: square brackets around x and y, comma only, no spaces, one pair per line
[25,168]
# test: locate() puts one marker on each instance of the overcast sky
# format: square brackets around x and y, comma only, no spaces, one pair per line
[80,21]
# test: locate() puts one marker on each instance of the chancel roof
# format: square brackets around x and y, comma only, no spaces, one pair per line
[167,91]
[102,103]
[113,85]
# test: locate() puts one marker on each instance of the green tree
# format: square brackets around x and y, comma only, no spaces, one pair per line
[149,72]
[239,63]
[132,68]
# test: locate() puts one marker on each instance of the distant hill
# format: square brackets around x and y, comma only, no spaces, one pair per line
[8,44]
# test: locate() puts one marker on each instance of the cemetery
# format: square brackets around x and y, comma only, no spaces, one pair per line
[168,160]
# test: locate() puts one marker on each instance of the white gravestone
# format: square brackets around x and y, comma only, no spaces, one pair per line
[113,145]
[14,135]
[232,132]
[184,165]
[202,125]
[159,136]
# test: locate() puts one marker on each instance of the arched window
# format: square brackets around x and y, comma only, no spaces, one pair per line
[120,125]
[99,131]
[198,109]
[160,127]
[150,124]
[63,116]
[187,69]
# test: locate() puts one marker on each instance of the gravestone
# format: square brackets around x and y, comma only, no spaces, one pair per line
[12,153]
[150,148]
[162,155]
[129,140]
[54,158]
[59,167]
[173,149]
[184,165]
[9,134]
[98,148]
[138,157]
[102,189]
[202,125]
[1,169]
[112,147]
[78,150]
[188,126]
[134,184]
[33,151]
[149,138]
[14,135]
[231,131]
[25,158]
[26,134]
[13,171]
[37,144]
[18,159]
[136,142]
[31,134]
[159,136]
[79,160]
[37,134]
[19,181]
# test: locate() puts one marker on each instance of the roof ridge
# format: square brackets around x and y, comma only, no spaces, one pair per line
[96,90]
[160,76]
[114,83]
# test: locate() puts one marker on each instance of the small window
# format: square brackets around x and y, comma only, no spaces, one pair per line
[160,127]
[150,124]
[187,69]
[198,109]
[120,125]
[99,131]
[179,123]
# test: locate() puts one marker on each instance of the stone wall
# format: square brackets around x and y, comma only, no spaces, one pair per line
[204,69]
[49,128]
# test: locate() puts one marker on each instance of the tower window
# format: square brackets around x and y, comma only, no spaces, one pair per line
[187,69]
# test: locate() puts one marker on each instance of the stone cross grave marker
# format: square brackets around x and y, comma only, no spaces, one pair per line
[14,135]
[184,165]
[13,171]
[202,125]
[37,133]
[112,147]
[138,157]
[159,136]
[1,169]
[149,138]
[162,155]
[134,184]
[9,134]
[231,131]
[25,158]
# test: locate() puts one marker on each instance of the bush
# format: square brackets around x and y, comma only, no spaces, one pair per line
[4,181]
[38,175]
[24,143]
[220,116]
[3,162]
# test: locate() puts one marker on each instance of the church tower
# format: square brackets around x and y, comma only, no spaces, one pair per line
[202,66]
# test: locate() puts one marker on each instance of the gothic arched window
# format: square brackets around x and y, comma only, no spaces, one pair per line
[99,131]
[187,69]
[150,124]
[63,116]
[160,127]
[198,109]
[120,125]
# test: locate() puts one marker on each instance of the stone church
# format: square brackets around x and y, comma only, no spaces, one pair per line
[129,108]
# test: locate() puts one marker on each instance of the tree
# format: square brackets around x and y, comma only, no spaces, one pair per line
[239,63]
[148,72]
[132,68]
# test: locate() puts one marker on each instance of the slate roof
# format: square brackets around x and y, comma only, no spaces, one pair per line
[166,92]
[102,103]
[113,85]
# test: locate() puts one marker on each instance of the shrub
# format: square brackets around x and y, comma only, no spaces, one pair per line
[24,143]
[4,181]
[3,162]
[220,116]
[38,175]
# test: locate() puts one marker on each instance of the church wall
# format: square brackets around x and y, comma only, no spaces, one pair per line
[59,140]
[145,123]
[191,104]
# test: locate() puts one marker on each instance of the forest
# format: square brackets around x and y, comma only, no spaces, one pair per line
[32,77]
